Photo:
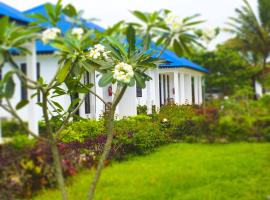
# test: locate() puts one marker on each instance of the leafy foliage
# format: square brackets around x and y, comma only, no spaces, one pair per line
[155,28]
[229,72]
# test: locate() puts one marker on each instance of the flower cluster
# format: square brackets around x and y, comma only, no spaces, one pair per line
[123,72]
[174,23]
[50,34]
[78,32]
[208,34]
[97,51]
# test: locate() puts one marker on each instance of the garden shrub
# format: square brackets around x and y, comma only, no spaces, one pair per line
[141,109]
[26,165]
[139,134]
[22,141]
[81,130]
[11,128]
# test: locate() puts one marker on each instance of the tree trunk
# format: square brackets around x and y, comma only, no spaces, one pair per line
[109,123]
[54,149]
[109,126]
[253,84]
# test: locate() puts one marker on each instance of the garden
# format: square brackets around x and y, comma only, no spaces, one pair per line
[216,149]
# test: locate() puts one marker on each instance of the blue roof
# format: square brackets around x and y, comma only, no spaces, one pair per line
[174,61]
[12,13]
[178,62]
[63,24]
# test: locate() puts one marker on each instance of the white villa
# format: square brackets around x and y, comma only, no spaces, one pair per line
[179,81]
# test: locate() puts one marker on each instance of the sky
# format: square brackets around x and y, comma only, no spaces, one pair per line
[215,12]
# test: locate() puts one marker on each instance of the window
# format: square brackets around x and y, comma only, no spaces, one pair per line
[87,97]
[138,91]
[168,86]
[160,98]
[23,88]
[38,76]
[193,89]
[164,89]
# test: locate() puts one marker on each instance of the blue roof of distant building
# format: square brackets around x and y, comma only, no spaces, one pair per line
[12,13]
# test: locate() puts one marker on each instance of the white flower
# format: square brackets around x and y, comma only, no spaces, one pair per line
[99,47]
[164,120]
[208,34]
[123,72]
[105,55]
[226,98]
[77,32]
[174,23]
[94,54]
[50,34]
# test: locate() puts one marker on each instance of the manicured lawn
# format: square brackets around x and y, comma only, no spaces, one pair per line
[183,171]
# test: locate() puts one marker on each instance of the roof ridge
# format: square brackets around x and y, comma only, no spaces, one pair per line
[38,6]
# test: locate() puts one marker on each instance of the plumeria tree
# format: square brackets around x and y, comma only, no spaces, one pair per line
[169,30]
[120,63]
[121,55]
[14,39]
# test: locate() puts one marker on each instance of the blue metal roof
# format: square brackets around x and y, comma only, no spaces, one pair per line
[12,13]
[174,61]
[178,62]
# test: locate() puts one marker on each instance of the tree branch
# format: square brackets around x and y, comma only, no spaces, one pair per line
[70,114]
[13,112]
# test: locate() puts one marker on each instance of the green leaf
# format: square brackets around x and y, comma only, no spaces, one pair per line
[105,79]
[140,15]
[70,10]
[3,24]
[139,80]
[21,104]
[74,103]
[57,105]
[146,41]
[117,45]
[131,39]
[62,74]
[10,87]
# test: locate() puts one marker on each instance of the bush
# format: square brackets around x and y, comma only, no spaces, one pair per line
[11,128]
[141,109]
[81,130]
[139,135]
[22,141]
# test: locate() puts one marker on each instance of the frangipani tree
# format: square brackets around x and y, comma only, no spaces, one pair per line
[169,30]
[121,63]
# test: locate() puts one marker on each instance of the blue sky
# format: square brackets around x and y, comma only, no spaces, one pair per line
[216,12]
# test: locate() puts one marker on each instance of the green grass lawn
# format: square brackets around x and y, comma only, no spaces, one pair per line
[183,171]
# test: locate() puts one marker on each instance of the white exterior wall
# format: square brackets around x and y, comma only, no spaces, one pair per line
[128,105]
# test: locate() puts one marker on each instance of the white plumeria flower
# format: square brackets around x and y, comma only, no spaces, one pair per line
[77,32]
[94,54]
[164,120]
[50,34]
[174,23]
[208,34]
[99,47]
[105,55]
[123,72]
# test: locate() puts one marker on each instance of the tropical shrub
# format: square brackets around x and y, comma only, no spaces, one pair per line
[81,130]
[11,128]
